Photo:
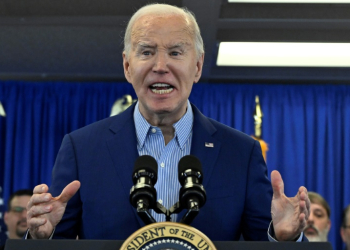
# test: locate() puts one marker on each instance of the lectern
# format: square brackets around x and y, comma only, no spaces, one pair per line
[115,245]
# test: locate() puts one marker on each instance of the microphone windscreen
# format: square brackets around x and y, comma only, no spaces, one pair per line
[189,162]
[148,163]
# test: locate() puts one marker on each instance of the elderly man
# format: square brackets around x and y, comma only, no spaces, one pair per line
[345,227]
[15,217]
[163,57]
[319,223]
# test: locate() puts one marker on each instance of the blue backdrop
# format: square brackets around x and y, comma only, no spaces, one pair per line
[307,128]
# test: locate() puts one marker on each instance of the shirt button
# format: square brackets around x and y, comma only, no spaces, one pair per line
[160,201]
[162,164]
[154,130]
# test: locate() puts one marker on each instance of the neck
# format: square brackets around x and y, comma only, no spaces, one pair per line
[164,121]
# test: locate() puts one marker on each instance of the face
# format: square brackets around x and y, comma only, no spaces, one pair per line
[345,232]
[16,218]
[162,65]
[318,224]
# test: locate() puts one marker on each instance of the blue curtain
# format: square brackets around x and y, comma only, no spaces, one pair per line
[307,128]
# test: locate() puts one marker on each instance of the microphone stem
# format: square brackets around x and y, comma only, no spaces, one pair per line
[143,212]
[192,212]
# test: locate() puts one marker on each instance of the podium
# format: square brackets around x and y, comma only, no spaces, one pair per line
[116,244]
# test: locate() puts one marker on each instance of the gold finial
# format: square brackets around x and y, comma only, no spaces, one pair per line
[257,118]
[2,110]
[121,104]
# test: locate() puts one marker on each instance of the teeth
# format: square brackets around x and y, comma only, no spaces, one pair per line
[162,91]
[159,85]
[166,88]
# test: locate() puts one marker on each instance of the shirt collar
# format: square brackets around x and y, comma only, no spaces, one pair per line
[183,128]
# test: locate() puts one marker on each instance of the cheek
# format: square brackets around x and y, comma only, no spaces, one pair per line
[139,72]
[322,224]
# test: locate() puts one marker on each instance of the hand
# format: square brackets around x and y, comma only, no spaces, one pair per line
[45,211]
[289,215]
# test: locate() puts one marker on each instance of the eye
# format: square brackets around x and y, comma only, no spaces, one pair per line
[319,215]
[175,53]
[146,53]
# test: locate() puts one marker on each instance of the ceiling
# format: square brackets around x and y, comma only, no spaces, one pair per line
[81,40]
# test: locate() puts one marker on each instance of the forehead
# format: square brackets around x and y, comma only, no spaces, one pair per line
[20,200]
[152,28]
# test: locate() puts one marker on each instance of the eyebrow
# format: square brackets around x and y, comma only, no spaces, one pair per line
[150,46]
[145,45]
[178,45]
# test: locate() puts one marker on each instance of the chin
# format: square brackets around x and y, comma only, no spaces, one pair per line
[313,238]
[316,238]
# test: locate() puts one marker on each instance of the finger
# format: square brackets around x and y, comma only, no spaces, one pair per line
[302,208]
[304,201]
[307,203]
[68,192]
[302,222]
[38,199]
[39,189]
[302,193]
[36,222]
[38,210]
[277,184]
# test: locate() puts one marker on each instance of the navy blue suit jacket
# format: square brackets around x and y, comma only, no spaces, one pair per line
[102,155]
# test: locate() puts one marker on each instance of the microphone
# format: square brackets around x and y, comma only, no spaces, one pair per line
[143,195]
[192,194]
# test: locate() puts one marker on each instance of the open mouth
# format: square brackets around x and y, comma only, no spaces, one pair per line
[161,88]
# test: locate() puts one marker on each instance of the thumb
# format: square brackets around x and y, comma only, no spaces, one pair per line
[68,192]
[277,184]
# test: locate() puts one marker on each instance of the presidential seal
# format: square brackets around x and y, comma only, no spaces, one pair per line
[168,236]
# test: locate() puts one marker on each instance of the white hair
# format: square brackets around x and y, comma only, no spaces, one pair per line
[161,10]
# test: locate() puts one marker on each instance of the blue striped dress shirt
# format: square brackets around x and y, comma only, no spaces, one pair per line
[150,141]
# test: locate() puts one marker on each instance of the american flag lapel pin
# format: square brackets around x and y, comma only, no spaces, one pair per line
[209,145]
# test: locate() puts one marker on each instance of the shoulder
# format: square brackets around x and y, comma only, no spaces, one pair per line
[224,130]
[219,130]
[104,123]
[107,126]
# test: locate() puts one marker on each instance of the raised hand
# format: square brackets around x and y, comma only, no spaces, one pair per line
[45,211]
[289,214]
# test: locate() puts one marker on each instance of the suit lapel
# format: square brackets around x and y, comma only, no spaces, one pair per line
[204,145]
[123,149]
[203,131]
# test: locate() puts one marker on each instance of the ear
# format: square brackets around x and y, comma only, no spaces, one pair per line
[342,233]
[199,68]
[6,217]
[126,67]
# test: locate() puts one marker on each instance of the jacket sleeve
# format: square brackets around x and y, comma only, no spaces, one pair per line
[257,210]
[64,172]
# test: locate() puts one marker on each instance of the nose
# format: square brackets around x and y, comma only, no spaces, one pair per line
[24,215]
[310,219]
[161,63]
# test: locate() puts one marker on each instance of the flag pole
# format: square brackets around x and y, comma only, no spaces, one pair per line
[258,115]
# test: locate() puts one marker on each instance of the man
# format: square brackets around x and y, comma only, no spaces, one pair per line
[15,217]
[162,58]
[345,227]
[319,223]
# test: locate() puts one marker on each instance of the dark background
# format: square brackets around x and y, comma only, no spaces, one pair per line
[82,39]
